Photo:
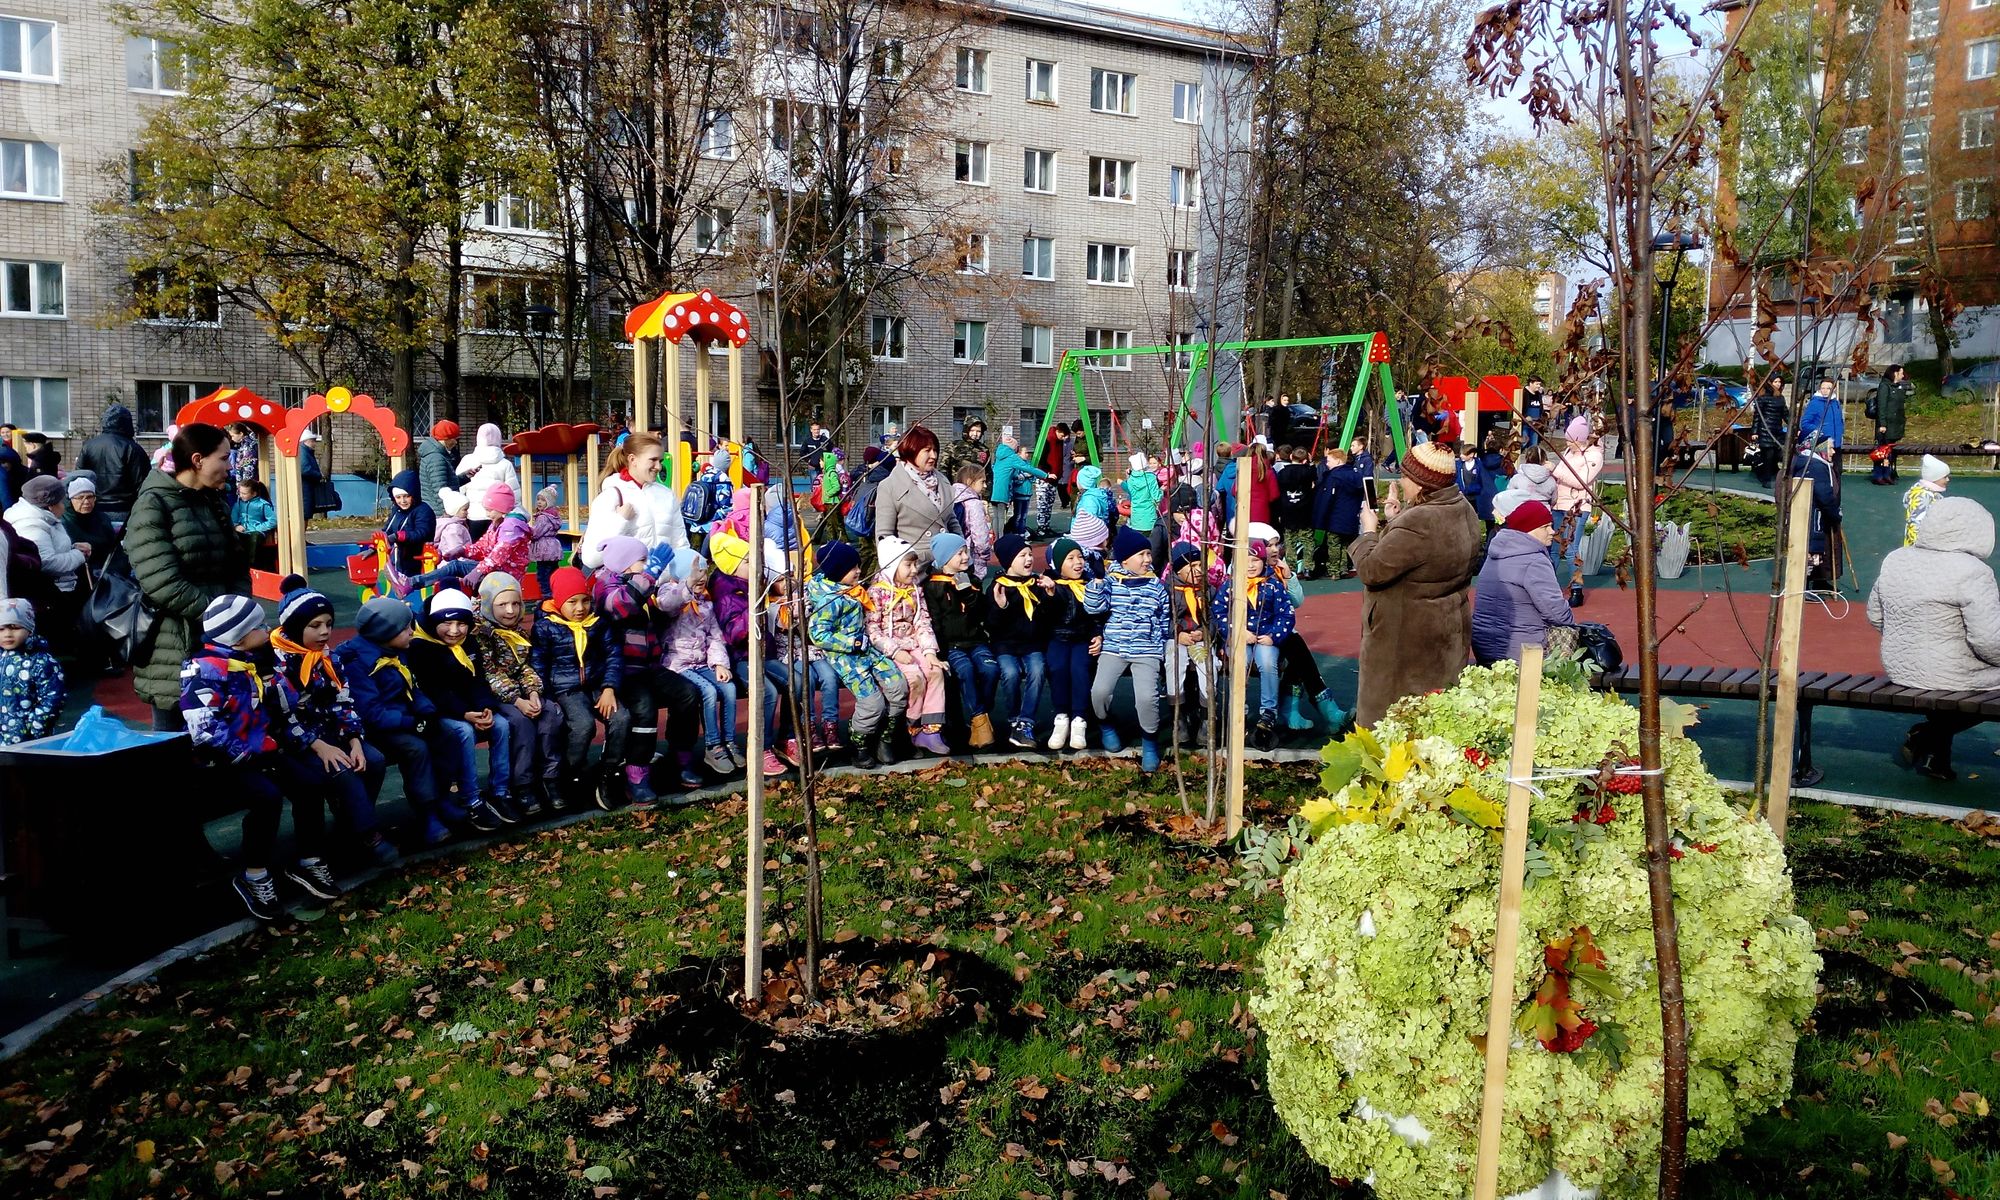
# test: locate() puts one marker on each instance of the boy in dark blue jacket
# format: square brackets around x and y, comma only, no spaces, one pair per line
[401,721]
[1268,618]
[1337,504]
[581,674]
[455,686]
[1075,636]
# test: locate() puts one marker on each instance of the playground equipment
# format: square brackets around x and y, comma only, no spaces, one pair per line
[1201,357]
[710,322]
[556,441]
[285,425]
[1491,394]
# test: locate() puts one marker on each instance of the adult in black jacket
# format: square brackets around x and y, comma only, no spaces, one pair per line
[1887,409]
[119,463]
[1769,419]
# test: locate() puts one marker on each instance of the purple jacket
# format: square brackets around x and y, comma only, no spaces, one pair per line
[695,640]
[732,611]
[1516,598]
[547,547]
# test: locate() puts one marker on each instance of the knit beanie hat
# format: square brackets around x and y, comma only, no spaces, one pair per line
[621,552]
[546,498]
[1184,553]
[1128,542]
[1935,469]
[944,547]
[229,619]
[683,563]
[445,431]
[382,618]
[17,611]
[1431,467]
[455,502]
[1059,552]
[448,604]
[836,559]
[81,485]
[1089,477]
[567,582]
[1007,548]
[42,490]
[1578,429]
[495,585]
[1528,516]
[300,605]
[498,499]
[1506,502]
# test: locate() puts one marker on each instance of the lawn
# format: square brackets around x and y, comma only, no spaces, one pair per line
[1039,993]
[1726,528]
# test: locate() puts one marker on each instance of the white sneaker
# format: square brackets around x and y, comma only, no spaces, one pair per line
[1077,729]
[1060,738]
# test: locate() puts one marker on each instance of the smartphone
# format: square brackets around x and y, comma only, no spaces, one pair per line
[1368,489]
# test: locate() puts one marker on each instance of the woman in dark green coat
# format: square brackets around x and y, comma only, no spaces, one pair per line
[184,554]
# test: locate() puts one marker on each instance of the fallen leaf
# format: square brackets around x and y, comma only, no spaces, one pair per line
[1897,1141]
[72,1175]
[144,1151]
[1942,1170]
[374,1118]
[1222,1134]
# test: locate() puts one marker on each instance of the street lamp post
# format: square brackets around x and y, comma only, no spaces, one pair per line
[1680,243]
[539,316]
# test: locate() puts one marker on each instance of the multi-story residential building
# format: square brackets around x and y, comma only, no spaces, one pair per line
[1910,93]
[1098,155]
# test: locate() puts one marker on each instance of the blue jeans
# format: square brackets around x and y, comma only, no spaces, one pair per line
[1562,551]
[1265,660]
[978,674]
[820,703]
[499,757]
[1071,672]
[453,569]
[718,705]
[1021,684]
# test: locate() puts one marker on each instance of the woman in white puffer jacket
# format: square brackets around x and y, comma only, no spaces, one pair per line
[633,501]
[484,467]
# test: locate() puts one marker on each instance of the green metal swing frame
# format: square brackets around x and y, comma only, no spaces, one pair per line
[1201,358]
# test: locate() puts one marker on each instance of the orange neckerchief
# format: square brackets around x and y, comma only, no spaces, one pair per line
[1192,595]
[1027,589]
[314,662]
[860,595]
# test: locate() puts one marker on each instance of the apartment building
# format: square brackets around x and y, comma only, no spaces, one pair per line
[1910,92]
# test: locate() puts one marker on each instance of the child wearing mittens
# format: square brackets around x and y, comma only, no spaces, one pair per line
[1018,621]
[899,625]
[958,616]
[1139,613]
[546,550]
[502,650]
[454,683]
[581,671]
[837,622]
[31,681]
[319,706]
[1075,637]
[400,720]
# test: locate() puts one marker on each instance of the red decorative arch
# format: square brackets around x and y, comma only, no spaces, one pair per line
[340,400]
[227,405]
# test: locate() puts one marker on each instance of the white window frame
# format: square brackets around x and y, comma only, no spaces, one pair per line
[1121,173]
[888,243]
[1919,78]
[1179,360]
[886,63]
[888,338]
[37,273]
[1976,128]
[174,394]
[1911,218]
[1096,338]
[714,230]
[28,151]
[1108,264]
[1860,15]
[893,152]
[1982,58]
[1038,346]
[1184,188]
[1854,145]
[1038,167]
[185,319]
[883,417]
[1127,92]
[1047,261]
[1857,83]
[1053,91]
[975,254]
[974,73]
[718,135]
[968,343]
[1914,145]
[25,74]
[1182,91]
[1982,190]
[971,163]
[1923,19]
[1183,270]
[36,387]
[496,213]
[1978,4]
[154,48]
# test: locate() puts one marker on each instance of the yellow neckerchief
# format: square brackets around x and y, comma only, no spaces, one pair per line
[232,663]
[1075,586]
[509,636]
[1192,596]
[392,660]
[458,651]
[313,662]
[1027,589]
[898,594]
[579,631]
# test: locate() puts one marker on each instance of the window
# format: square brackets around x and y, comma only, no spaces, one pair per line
[968,342]
[888,244]
[972,252]
[1916,210]
[1982,3]
[714,230]
[511,212]
[886,339]
[167,298]
[1038,171]
[1975,129]
[888,59]
[1187,103]
[28,51]
[778,125]
[1038,258]
[1038,346]
[894,155]
[1184,187]
[30,171]
[1108,263]
[718,134]
[797,32]
[969,163]
[155,65]
[1861,16]
[884,418]
[1181,270]
[31,289]
[28,403]
[972,71]
[1982,58]
[1919,73]
[160,399]
[1974,199]
[1923,19]
[1113,92]
[1915,146]
[1854,145]
[1857,82]
[1111,178]
[1041,82]
[500,303]
[1108,339]
[1180,360]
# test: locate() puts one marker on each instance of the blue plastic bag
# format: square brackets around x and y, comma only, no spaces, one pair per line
[98,732]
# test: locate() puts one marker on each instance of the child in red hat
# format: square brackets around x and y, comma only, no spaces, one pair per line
[580,673]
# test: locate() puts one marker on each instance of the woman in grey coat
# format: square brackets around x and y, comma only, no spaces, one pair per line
[1516,597]
[1938,607]
[914,502]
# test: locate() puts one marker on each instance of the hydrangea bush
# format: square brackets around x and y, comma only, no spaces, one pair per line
[1374,1000]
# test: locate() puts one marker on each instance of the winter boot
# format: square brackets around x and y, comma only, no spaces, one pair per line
[1107,736]
[1149,753]
[1079,733]
[1265,736]
[981,733]
[1576,595]
[638,790]
[931,741]
[886,751]
[1288,710]
[1332,713]
[864,753]
[1059,737]
[1021,735]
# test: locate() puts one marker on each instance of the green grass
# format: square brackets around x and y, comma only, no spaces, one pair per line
[1726,528]
[545,1019]
[1932,417]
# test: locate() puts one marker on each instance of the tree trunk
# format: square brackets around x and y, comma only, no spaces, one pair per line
[403,298]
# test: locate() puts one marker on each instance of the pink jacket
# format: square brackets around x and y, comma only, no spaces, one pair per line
[503,547]
[695,640]
[978,530]
[453,539]
[1576,473]
[897,625]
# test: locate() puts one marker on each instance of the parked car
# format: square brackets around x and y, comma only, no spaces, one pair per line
[1722,393]
[1977,381]
[1848,386]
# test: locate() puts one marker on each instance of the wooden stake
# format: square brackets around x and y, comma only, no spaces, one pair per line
[670,419]
[593,462]
[395,465]
[736,431]
[1239,637]
[753,757]
[1791,615]
[1507,930]
[703,434]
[282,501]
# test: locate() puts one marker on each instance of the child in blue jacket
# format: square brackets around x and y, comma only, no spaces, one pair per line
[31,681]
[319,707]
[581,673]
[399,719]
[1135,640]
[1268,619]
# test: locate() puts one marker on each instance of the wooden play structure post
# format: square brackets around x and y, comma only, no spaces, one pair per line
[1507,929]
[753,756]
[1791,615]
[737,432]
[1239,640]
[642,384]
[709,320]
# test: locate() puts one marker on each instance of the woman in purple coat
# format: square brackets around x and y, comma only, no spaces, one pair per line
[1516,598]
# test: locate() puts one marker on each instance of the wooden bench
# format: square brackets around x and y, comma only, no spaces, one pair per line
[1836,688]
